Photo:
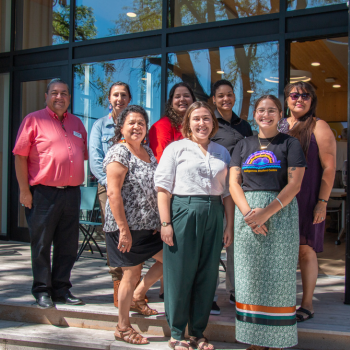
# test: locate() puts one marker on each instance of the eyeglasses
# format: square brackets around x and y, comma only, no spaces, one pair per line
[304,96]
[270,111]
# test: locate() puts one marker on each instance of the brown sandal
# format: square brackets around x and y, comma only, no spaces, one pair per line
[142,308]
[200,343]
[175,343]
[129,336]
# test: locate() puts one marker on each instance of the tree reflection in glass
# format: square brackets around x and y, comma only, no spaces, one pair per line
[93,80]
[186,12]
[116,17]
[252,70]
[306,4]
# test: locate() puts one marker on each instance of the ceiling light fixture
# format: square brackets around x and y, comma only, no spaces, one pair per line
[315,64]
[336,86]
[250,91]
[220,72]
[131,14]
[330,80]
[272,79]
[143,78]
[295,75]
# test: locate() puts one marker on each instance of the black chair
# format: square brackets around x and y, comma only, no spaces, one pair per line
[90,218]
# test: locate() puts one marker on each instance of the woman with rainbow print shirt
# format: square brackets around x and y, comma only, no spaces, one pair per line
[266,172]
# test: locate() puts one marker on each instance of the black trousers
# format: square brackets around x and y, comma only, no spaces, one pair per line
[53,219]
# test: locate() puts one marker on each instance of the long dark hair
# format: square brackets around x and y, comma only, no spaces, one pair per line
[176,119]
[121,120]
[306,124]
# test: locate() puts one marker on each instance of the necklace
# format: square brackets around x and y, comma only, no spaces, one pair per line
[265,147]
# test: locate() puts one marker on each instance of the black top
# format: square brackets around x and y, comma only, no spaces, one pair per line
[230,133]
[267,169]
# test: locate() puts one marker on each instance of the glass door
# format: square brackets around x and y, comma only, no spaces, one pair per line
[29,92]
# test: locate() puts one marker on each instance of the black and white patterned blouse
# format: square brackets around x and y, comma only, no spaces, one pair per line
[138,192]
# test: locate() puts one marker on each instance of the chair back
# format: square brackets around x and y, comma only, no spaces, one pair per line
[88,198]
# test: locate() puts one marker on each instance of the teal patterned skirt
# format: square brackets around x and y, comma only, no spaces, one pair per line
[265,276]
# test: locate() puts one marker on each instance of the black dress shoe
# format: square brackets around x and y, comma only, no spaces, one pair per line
[68,299]
[45,302]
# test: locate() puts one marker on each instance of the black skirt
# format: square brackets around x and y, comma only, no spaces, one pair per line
[145,244]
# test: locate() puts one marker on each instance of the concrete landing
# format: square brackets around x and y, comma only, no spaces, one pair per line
[330,329]
[64,338]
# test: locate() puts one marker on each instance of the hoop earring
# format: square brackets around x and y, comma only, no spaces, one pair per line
[110,109]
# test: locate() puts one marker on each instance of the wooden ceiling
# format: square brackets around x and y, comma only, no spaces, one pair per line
[304,53]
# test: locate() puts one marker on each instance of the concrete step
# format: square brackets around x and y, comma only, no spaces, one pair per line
[28,336]
[73,319]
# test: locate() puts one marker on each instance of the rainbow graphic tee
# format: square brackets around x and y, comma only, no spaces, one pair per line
[261,161]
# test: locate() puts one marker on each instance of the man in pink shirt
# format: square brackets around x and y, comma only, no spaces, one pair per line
[50,150]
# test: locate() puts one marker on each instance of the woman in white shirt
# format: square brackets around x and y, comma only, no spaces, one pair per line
[191,180]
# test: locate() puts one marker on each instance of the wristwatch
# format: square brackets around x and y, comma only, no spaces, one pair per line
[165,224]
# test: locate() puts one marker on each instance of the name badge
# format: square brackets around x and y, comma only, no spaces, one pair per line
[77,134]
[217,155]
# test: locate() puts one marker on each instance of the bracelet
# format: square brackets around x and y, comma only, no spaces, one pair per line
[249,212]
[322,200]
[280,202]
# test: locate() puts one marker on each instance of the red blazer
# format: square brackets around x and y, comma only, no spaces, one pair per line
[161,134]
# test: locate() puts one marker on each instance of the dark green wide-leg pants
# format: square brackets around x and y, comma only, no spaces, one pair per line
[191,265]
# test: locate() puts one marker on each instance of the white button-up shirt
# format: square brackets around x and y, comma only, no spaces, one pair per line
[184,170]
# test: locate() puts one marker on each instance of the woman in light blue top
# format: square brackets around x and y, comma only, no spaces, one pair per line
[101,133]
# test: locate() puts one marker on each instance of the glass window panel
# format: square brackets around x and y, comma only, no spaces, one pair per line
[307,4]
[324,63]
[185,12]
[92,82]
[5,25]
[114,17]
[4,151]
[33,99]
[252,69]
[42,23]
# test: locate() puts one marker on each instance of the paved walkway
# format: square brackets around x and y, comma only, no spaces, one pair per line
[93,284]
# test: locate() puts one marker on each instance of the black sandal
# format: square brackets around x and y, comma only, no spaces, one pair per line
[301,318]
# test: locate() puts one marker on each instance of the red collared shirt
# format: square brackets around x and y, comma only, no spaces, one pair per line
[161,134]
[56,150]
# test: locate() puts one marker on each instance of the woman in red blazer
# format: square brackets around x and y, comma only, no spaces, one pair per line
[168,128]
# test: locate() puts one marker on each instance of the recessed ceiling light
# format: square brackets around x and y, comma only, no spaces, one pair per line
[336,86]
[143,78]
[272,79]
[315,64]
[220,72]
[250,91]
[131,14]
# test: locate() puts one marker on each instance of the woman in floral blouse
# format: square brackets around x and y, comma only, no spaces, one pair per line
[132,221]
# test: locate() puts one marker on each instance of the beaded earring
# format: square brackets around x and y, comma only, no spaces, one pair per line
[145,141]
[110,109]
[122,140]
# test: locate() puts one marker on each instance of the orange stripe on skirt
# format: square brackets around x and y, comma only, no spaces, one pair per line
[270,309]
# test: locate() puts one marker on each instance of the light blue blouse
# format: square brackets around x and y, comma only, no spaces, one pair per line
[101,133]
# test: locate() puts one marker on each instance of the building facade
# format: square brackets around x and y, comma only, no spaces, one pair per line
[259,45]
